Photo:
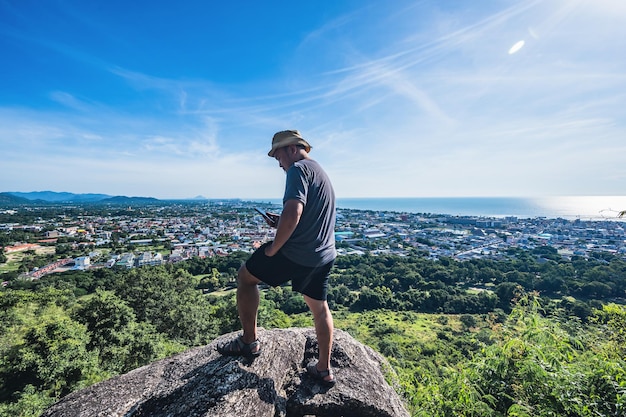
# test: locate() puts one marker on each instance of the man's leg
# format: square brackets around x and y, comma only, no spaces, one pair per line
[247,303]
[323,329]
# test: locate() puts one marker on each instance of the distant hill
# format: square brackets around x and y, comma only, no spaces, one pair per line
[129,200]
[64,197]
[52,197]
[10,199]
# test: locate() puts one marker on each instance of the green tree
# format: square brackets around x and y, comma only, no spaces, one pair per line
[122,343]
[507,292]
[169,301]
[468,321]
[211,281]
[538,367]
[29,403]
[614,317]
[374,298]
[340,295]
[52,356]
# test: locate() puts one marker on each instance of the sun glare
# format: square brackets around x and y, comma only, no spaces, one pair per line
[516,47]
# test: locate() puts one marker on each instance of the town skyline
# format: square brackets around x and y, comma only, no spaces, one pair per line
[566,207]
[182,232]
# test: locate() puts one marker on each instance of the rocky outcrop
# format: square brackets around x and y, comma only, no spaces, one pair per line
[201,382]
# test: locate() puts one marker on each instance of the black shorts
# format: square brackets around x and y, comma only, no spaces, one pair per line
[276,270]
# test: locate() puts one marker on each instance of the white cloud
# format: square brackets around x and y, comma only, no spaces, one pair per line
[431,106]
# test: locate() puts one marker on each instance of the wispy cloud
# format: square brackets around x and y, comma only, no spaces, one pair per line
[409,98]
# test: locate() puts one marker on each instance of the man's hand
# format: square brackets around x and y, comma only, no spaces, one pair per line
[273,219]
[270,251]
[285,225]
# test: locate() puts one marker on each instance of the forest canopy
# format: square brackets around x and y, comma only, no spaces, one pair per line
[535,335]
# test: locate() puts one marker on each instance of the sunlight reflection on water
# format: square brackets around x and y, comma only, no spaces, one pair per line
[585,208]
[570,208]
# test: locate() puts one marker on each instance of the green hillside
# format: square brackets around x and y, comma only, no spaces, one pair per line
[500,350]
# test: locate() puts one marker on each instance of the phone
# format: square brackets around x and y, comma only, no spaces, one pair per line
[264,214]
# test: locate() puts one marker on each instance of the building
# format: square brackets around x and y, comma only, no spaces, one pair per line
[84,262]
[149,258]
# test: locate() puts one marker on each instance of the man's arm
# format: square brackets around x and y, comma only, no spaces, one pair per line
[289,218]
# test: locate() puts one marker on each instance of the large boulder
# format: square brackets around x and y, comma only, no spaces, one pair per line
[201,382]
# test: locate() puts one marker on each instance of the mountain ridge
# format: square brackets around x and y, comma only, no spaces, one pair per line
[8,198]
[52,197]
[59,197]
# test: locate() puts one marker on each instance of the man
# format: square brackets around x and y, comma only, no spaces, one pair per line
[302,251]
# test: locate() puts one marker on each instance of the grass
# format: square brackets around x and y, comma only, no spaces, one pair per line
[14,259]
[404,337]
[223,292]
[385,325]
[419,347]
[13,262]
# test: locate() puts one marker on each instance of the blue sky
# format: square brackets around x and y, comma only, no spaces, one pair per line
[398,98]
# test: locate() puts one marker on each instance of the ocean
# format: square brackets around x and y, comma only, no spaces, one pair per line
[571,208]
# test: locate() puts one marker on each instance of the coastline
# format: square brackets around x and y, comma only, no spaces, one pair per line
[595,208]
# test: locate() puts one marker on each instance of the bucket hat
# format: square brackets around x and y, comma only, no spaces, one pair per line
[286,138]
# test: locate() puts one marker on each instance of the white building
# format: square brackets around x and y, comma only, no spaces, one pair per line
[82,263]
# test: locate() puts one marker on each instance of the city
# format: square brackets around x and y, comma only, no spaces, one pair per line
[128,237]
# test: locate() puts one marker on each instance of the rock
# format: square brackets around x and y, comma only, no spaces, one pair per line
[201,382]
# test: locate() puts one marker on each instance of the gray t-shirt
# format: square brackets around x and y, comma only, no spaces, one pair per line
[313,242]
